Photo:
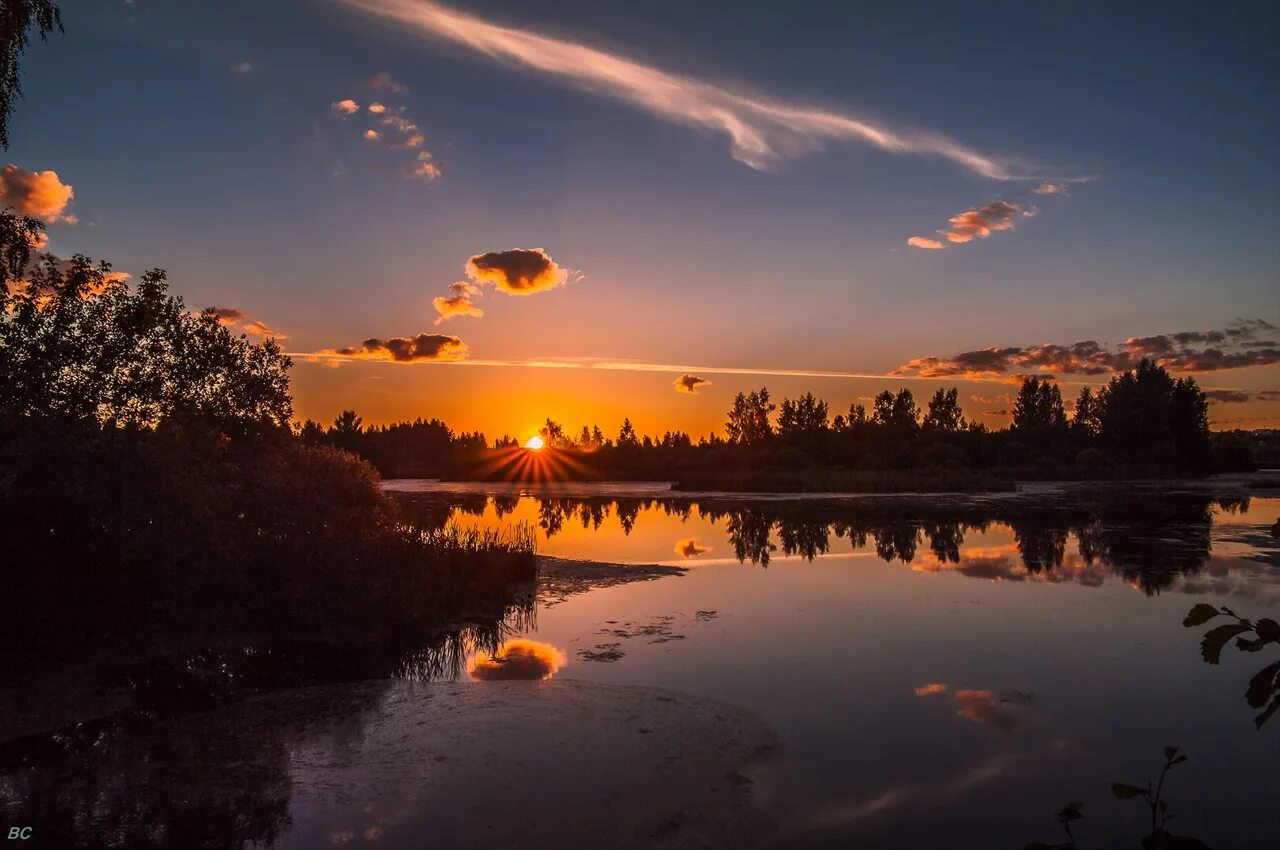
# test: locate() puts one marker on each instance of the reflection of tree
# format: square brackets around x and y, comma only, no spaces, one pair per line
[945,540]
[897,542]
[1149,542]
[1042,546]
[807,539]
[749,535]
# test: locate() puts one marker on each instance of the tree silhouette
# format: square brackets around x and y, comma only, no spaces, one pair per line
[17,19]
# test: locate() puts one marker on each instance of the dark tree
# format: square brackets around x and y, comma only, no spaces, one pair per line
[749,418]
[17,19]
[1038,406]
[944,411]
[806,415]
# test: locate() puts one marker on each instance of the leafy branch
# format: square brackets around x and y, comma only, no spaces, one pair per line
[1265,685]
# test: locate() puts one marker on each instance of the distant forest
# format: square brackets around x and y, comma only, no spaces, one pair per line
[1144,423]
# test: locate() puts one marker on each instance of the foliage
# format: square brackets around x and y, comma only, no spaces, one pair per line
[1264,687]
[17,18]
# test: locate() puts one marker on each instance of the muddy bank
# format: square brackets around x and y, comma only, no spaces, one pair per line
[560,578]
[544,764]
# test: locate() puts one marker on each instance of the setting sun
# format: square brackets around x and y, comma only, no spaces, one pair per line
[535,443]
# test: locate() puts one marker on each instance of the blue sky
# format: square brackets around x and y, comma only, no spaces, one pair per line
[252,194]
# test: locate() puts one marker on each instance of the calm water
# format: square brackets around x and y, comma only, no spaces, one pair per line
[941,672]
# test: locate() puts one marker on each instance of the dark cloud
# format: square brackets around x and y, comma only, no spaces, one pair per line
[690,548]
[228,315]
[1241,396]
[517,271]
[231,317]
[1235,347]
[690,384]
[408,350]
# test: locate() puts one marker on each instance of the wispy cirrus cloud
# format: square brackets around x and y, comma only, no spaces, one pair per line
[762,131]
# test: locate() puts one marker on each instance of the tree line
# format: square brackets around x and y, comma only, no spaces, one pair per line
[1143,422]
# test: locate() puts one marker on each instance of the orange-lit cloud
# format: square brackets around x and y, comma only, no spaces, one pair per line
[762,131]
[39,194]
[927,244]
[458,302]
[519,658]
[931,688]
[690,384]
[981,223]
[344,108]
[982,706]
[517,271]
[690,548]
[384,80]
[1050,189]
[423,167]
[234,318]
[407,349]
[376,108]
[1240,345]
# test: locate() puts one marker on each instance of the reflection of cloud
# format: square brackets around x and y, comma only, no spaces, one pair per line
[406,350]
[762,131]
[519,658]
[517,271]
[39,194]
[690,548]
[690,384]
[982,706]
[1236,347]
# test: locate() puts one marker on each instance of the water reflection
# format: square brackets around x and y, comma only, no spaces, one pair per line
[1150,541]
[518,658]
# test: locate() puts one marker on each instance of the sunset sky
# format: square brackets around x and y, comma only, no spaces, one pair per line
[828,196]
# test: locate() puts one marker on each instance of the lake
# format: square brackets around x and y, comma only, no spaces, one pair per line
[936,671]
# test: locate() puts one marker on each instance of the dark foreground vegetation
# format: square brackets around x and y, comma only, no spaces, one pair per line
[1143,424]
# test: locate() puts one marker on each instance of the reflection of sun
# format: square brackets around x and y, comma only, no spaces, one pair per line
[534,442]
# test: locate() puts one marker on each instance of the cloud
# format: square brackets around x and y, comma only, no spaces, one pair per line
[982,706]
[458,302]
[423,167]
[1235,347]
[235,318]
[344,108]
[762,131]
[383,80]
[517,271]
[690,384]
[39,194]
[927,244]
[931,688]
[242,67]
[407,350]
[1050,189]
[376,108]
[1241,396]
[519,658]
[691,548]
[981,223]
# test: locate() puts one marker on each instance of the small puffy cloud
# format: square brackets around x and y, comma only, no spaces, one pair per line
[517,271]
[423,167]
[234,318]
[344,108]
[690,548]
[408,349]
[372,135]
[690,384]
[376,108]
[458,302]
[519,658]
[242,67]
[384,80]
[981,223]
[1050,189]
[930,689]
[39,194]
[927,244]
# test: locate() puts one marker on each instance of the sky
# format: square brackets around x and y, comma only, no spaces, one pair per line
[810,196]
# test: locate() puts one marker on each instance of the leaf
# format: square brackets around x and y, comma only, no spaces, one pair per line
[1268,630]
[1126,792]
[1200,614]
[1070,812]
[1266,715]
[1262,684]
[1247,645]
[1170,752]
[1178,760]
[1215,639]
